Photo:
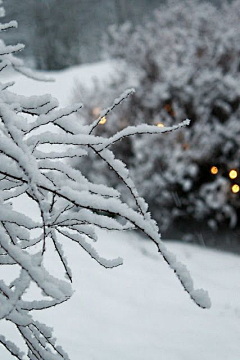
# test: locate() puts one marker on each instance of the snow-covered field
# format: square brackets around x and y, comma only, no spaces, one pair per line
[137,311]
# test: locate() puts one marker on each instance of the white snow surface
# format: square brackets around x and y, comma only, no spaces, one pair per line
[137,311]
[62,87]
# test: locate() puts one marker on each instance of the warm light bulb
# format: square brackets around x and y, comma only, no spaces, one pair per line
[235,188]
[214,170]
[160,125]
[103,121]
[233,174]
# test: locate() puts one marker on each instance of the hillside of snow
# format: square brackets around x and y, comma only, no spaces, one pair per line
[137,311]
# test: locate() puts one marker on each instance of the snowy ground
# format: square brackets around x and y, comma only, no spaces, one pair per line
[138,311]
[62,87]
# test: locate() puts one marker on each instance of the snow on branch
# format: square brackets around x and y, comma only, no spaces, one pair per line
[116,102]
[10,25]
[10,49]
[31,74]
[141,130]
[11,347]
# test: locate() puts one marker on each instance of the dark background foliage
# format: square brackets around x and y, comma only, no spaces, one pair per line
[53,28]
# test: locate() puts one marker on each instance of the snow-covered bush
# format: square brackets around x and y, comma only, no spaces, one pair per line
[36,140]
[184,63]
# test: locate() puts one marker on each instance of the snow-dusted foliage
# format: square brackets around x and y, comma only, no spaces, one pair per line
[33,165]
[184,63]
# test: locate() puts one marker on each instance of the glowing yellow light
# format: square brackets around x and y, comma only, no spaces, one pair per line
[103,120]
[96,111]
[233,174]
[235,188]
[214,170]
[160,125]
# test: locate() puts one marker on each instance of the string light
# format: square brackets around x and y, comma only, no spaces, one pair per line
[103,120]
[233,174]
[235,188]
[214,170]
[160,125]
[96,112]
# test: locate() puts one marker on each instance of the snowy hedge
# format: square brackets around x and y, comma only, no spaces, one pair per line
[184,63]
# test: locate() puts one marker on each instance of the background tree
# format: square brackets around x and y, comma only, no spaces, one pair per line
[184,64]
[75,26]
[56,29]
